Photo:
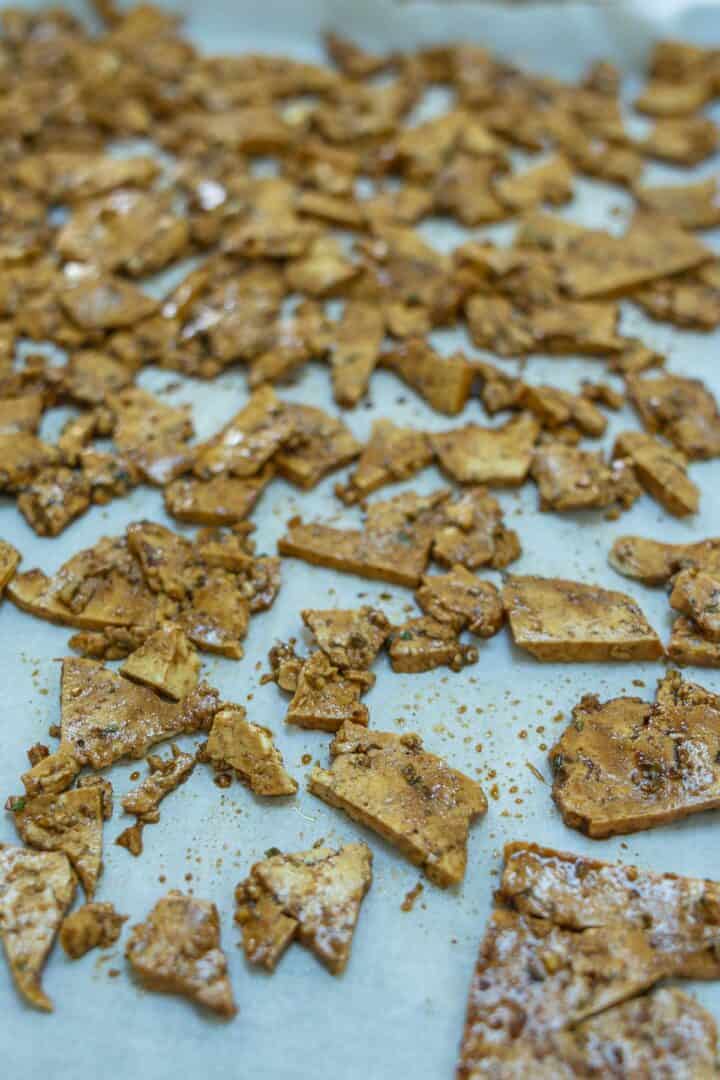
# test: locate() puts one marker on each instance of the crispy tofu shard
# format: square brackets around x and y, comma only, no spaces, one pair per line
[166,662]
[72,823]
[324,697]
[696,593]
[54,499]
[349,638]
[22,457]
[177,951]
[462,600]
[9,562]
[693,206]
[410,797]
[568,621]
[92,926]
[689,300]
[103,303]
[661,470]
[496,456]
[566,326]
[682,410]
[143,801]
[51,774]
[473,533]
[424,643]
[654,562]
[392,454]
[321,443]
[106,718]
[626,764]
[151,435]
[571,950]
[249,440]
[236,743]
[444,382]
[314,896]
[548,182]
[689,646]
[686,140]
[219,500]
[572,479]
[355,350]
[36,889]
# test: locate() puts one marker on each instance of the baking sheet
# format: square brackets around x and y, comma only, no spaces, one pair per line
[399,1008]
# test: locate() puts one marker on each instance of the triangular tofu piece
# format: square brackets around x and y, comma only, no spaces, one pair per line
[236,743]
[393,453]
[249,440]
[36,889]
[321,444]
[312,895]
[654,562]
[325,697]
[177,951]
[165,662]
[349,638]
[106,718]
[71,823]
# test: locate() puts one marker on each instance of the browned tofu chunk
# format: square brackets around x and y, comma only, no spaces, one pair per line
[569,621]
[667,98]
[625,765]
[36,889]
[355,350]
[462,600]
[424,643]
[444,382]
[661,470]
[349,638]
[153,436]
[496,456]
[566,326]
[694,206]
[51,774]
[572,479]
[696,594]
[557,408]
[474,534]
[92,375]
[165,774]
[92,926]
[392,453]
[655,562]
[410,797]
[686,140]
[177,951]
[312,896]
[166,662]
[105,302]
[249,440]
[72,823]
[9,562]
[322,270]
[248,749]
[548,182]
[689,646]
[468,188]
[324,697]
[682,410]
[219,500]
[21,414]
[53,499]
[321,444]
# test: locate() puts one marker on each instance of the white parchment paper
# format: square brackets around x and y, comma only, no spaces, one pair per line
[398,1010]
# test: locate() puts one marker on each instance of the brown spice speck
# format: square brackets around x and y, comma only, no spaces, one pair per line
[411,896]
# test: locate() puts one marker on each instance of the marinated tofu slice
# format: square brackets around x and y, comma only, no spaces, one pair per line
[236,743]
[569,478]
[165,774]
[36,889]
[21,414]
[312,896]
[474,534]
[355,350]
[655,562]
[51,774]
[219,614]
[693,206]
[249,440]
[106,718]
[152,435]
[321,444]
[685,140]
[219,500]
[349,638]
[166,662]
[682,410]
[9,562]
[689,646]
[392,454]
[324,697]
[549,182]
[625,765]
[412,798]
[696,594]
[444,382]
[424,643]
[496,456]
[565,326]
[53,499]
[71,823]
[661,470]
[569,621]
[462,600]
[92,926]
[22,456]
[103,302]
[177,951]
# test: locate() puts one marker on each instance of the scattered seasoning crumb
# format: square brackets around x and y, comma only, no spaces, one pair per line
[113,972]
[638,682]
[306,759]
[410,897]
[495,792]
[135,775]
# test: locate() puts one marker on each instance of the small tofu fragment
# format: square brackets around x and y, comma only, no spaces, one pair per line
[693,206]
[236,743]
[349,638]
[689,646]
[685,140]
[36,889]
[249,440]
[219,500]
[53,499]
[424,643]
[106,302]
[22,457]
[355,350]
[21,414]
[473,533]
[661,470]
[462,600]
[9,562]
[654,562]
[392,454]
[569,621]
[696,593]
[682,410]
[92,926]
[314,896]
[72,823]
[143,801]
[104,786]
[549,182]
[324,697]
[52,774]
[560,327]
[153,436]
[496,456]
[177,951]
[410,797]
[166,662]
[572,479]
[444,382]
[321,444]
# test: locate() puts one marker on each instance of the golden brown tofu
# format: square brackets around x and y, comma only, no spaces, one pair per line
[661,470]
[236,743]
[473,533]
[696,594]
[219,500]
[321,444]
[468,189]
[355,351]
[497,456]
[71,175]
[22,456]
[105,302]
[686,140]
[555,408]
[9,561]
[152,435]
[410,797]
[322,270]
[661,97]
[324,697]
[682,410]
[689,300]
[177,951]
[565,326]
[53,499]
[219,615]
[51,774]
[166,662]
[693,206]
[165,774]
[349,638]
[92,926]
[312,896]
[249,440]
[568,478]
[424,643]
[72,823]
[548,182]
[569,621]
[104,786]
[444,382]
[21,414]
[689,646]
[655,562]
[392,454]
[462,600]
[36,889]
[91,375]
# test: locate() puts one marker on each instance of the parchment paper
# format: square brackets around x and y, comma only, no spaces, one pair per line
[398,1010]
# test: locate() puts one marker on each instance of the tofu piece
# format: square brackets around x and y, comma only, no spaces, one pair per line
[321,444]
[696,593]
[219,500]
[668,98]
[349,638]
[549,182]
[166,662]
[689,646]
[153,436]
[691,300]
[165,774]
[51,774]
[53,499]
[563,327]
[36,889]
[468,189]
[324,697]
[424,643]
[91,375]
[219,616]
[693,206]
[312,896]
[569,621]
[248,442]
[343,211]
[322,270]
[626,765]
[462,600]
[444,382]
[682,410]
[661,470]
[236,743]
[177,951]
[392,454]
[355,350]
[474,534]
[351,59]
[92,926]
[654,562]
[410,797]
[685,140]
[72,823]
[496,456]
[555,408]
[104,786]
[106,718]
[21,414]
[70,175]
[22,457]
[9,561]
[105,302]
[568,478]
